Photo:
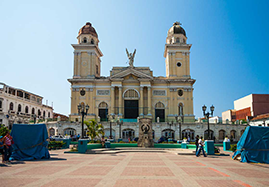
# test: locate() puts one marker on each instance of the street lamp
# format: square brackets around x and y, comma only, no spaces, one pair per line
[206,115]
[120,124]
[110,124]
[83,111]
[170,124]
[34,116]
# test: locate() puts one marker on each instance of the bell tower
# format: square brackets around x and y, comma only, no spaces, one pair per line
[87,54]
[176,53]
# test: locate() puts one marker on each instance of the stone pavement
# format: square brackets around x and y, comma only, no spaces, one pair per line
[134,169]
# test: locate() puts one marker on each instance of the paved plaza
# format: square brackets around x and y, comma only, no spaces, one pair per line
[134,169]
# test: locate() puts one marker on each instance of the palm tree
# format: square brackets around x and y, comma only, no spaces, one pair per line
[95,129]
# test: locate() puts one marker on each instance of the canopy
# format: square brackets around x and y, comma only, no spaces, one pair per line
[29,141]
[254,145]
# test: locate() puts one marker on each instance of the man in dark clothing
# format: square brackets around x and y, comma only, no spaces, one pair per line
[196,142]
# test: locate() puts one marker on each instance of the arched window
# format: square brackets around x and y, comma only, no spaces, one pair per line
[11,106]
[39,112]
[103,111]
[26,109]
[33,111]
[128,133]
[221,134]
[84,40]
[52,131]
[168,133]
[92,41]
[233,133]
[19,108]
[69,131]
[49,114]
[188,133]
[160,111]
[180,109]
[170,41]
[0,104]
[131,94]
[44,114]
[177,40]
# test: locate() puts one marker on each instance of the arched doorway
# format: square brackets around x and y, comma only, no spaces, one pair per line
[160,111]
[168,133]
[131,107]
[128,134]
[211,134]
[51,131]
[107,133]
[188,132]
[70,131]
[233,135]
[103,111]
[221,134]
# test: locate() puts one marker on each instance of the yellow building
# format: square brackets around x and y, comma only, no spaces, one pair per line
[131,92]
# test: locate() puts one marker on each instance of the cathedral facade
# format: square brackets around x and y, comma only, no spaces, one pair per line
[131,92]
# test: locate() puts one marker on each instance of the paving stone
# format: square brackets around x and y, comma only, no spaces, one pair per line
[252,173]
[147,171]
[91,170]
[218,183]
[64,182]
[14,182]
[201,172]
[135,163]
[42,170]
[147,183]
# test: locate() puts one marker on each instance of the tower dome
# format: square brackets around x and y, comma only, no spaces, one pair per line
[176,34]
[176,29]
[88,29]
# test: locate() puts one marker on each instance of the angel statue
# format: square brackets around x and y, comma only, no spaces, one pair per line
[131,58]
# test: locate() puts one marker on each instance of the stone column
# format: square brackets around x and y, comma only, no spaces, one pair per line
[91,100]
[112,98]
[141,101]
[149,101]
[120,101]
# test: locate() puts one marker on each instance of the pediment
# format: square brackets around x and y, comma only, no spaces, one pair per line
[133,72]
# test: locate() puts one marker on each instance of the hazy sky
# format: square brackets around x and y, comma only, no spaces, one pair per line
[229,54]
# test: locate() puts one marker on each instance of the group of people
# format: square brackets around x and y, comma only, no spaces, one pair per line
[6,147]
[199,145]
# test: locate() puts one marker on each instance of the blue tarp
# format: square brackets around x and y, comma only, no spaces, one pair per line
[29,142]
[254,145]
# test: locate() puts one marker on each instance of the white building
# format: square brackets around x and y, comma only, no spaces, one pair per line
[19,106]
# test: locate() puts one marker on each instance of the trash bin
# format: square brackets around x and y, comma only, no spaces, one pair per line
[226,146]
[184,146]
[107,144]
[82,146]
[209,147]
[67,143]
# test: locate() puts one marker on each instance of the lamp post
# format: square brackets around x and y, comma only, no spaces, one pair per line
[120,124]
[170,124]
[83,111]
[206,115]
[110,124]
[34,116]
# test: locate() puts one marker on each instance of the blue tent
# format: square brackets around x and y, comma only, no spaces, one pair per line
[30,142]
[253,145]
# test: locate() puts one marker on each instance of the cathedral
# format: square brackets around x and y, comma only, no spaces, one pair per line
[131,92]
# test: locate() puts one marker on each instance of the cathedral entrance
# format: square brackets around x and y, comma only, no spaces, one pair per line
[131,109]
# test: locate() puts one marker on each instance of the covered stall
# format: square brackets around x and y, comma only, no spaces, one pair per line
[30,142]
[253,145]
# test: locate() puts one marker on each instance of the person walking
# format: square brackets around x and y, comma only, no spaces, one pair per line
[196,143]
[8,149]
[201,147]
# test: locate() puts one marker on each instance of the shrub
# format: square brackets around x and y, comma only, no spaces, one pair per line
[74,149]
[3,130]
[121,142]
[133,142]
[233,147]
[56,144]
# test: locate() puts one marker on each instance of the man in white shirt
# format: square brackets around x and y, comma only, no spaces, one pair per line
[201,147]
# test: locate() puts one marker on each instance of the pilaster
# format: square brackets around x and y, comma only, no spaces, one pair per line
[141,101]
[112,99]
[149,101]
[120,101]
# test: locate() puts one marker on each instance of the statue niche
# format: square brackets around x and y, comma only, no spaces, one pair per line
[145,133]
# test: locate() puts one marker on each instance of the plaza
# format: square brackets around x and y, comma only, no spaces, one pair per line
[162,168]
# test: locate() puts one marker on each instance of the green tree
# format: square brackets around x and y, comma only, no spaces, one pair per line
[3,130]
[95,129]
